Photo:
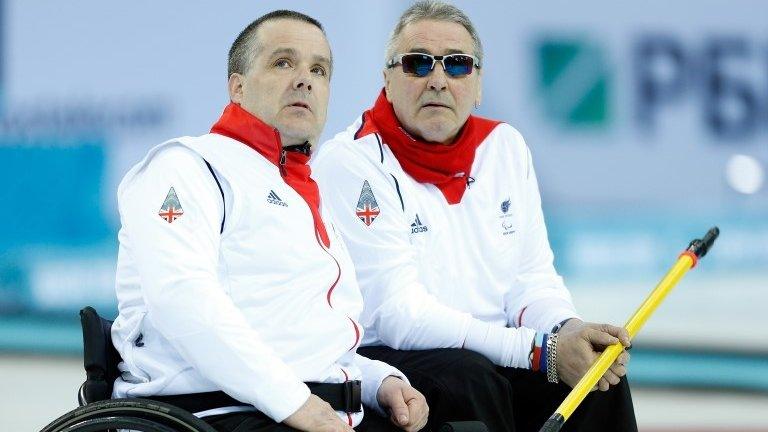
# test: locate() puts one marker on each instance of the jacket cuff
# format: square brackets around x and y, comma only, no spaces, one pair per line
[504,346]
[374,374]
[286,402]
[544,314]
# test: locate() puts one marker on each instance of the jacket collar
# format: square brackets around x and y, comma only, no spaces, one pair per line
[445,166]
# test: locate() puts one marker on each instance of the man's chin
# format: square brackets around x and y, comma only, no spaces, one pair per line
[291,136]
[438,133]
[296,127]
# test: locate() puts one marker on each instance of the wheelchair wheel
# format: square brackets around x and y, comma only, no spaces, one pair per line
[115,423]
[132,414]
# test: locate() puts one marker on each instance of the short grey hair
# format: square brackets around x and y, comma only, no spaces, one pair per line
[434,10]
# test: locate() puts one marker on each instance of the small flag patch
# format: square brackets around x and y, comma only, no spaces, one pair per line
[367,208]
[171,208]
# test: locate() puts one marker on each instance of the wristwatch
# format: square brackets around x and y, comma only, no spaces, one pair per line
[560,325]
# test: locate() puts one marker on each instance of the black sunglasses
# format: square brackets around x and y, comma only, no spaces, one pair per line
[420,64]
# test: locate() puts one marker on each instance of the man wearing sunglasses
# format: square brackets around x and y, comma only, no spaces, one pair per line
[441,212]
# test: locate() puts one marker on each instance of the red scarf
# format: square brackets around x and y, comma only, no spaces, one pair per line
[445,166]
[243,126]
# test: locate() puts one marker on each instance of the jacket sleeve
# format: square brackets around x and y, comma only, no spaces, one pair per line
[178,264]
[396,304]
[539,298]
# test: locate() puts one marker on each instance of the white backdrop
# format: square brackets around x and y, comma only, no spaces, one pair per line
[620,169]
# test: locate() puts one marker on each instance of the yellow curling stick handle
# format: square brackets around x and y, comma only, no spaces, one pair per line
[687,260]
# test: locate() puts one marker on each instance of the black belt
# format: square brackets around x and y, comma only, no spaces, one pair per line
[341,396]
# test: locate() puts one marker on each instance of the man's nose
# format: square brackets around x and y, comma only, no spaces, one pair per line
[437,81]
[303,81]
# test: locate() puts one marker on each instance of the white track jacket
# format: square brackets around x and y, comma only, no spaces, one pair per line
[224,283]
[437,275]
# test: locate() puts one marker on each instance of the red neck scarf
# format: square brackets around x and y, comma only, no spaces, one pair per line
[445,166]
[242,126]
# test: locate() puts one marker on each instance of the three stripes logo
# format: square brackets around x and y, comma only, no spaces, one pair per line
[272,198]
[574,82]
[417,226]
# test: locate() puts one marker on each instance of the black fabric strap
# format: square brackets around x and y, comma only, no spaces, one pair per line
[305,149]
[342,397]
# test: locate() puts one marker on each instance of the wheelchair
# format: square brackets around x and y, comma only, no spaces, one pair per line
[98,412]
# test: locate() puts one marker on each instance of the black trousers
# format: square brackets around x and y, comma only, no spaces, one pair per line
[462,385]
[258,422]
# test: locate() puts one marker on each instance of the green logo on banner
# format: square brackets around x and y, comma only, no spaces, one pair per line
[574,83]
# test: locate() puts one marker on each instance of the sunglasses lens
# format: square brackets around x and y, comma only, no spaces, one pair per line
[418,64]
[458,65]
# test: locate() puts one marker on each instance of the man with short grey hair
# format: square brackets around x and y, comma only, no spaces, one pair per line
[441,212]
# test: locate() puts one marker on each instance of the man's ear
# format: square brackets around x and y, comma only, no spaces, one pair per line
[479,96]
[386,83]
[235,87]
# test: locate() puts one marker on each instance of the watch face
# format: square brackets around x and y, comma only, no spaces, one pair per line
[559,325]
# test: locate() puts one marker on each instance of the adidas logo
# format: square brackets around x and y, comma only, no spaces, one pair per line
[417,226]
[272,198]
